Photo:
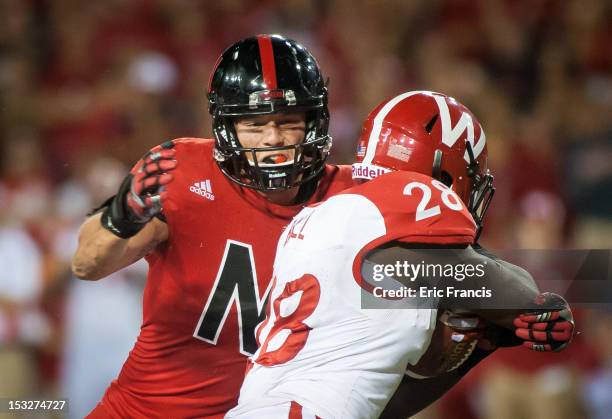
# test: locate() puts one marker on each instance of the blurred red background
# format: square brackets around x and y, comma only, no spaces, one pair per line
[88,87]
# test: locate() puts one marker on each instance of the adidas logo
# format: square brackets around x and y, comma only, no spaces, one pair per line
[203,189]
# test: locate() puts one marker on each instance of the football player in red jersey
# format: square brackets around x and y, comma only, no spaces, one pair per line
[327,349]
[206,215]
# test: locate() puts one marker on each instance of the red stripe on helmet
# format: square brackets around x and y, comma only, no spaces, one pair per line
[212,73]
[267,61]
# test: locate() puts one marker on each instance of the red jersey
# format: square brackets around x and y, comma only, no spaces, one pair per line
[205,292]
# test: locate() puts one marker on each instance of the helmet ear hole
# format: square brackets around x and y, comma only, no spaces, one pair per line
[446,178]
[431,124]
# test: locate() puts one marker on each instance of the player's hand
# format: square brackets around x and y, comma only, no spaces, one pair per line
[147,182]
[141,193]
[548,330]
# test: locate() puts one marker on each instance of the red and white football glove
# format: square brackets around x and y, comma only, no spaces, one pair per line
[141,193]
[548,330]
[147,186]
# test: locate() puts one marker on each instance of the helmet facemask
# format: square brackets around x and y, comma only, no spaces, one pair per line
[268,75]
[481,185]
[246,167]
[482,190]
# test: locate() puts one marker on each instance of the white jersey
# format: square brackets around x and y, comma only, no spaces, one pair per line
[318,346]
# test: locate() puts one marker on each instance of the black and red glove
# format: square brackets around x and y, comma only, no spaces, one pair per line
[547,330]
[141,193]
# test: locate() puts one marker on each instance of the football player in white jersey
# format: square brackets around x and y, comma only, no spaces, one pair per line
[334,345]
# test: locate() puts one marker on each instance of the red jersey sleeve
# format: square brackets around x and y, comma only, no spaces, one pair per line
[415,209]
[418,209]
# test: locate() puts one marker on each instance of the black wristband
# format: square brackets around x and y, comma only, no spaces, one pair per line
[501,337]
[116,218]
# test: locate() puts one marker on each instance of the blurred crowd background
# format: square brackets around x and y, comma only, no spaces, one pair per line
[86,87]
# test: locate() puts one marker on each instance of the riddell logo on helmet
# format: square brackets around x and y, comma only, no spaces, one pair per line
[361,171]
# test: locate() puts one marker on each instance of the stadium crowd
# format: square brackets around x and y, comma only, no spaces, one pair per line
[86,86]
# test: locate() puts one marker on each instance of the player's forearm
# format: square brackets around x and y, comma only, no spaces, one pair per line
[100,252]
[514,290]
[127,229]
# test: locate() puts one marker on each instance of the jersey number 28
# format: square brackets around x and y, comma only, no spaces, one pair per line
[449,198]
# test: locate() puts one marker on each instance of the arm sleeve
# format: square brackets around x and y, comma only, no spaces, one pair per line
[500,294]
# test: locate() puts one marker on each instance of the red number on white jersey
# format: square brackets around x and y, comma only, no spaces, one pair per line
[293,323]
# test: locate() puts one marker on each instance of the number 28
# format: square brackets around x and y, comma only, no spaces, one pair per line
[449,198]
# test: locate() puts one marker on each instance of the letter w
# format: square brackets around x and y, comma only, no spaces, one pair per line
[451,134]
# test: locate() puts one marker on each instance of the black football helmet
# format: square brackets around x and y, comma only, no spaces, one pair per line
[261,75]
